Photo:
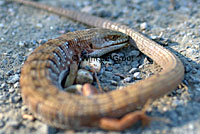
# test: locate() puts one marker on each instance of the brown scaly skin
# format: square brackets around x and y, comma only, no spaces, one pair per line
[40,89]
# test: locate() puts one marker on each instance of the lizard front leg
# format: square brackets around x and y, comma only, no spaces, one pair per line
[72,75]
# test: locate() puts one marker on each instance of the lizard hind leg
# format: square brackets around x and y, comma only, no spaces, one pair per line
[127,120]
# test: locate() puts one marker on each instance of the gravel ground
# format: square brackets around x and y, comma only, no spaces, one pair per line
[23,28]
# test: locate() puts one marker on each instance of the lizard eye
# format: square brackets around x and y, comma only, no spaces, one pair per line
[113,37]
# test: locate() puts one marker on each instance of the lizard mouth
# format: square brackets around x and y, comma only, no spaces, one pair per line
[97,52]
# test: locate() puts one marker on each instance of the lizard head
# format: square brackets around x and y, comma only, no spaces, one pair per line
[105,41]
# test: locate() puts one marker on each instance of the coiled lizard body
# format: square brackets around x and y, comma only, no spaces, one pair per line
[40,76]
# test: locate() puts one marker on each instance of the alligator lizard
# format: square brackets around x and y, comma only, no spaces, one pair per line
[41,90]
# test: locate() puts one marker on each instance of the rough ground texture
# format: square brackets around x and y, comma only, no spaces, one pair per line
[23,28]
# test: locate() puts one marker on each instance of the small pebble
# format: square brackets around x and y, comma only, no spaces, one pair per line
[198,89]
[12,79]
[109,68]
[135,64]
[108,74]
[143,26]
[2,124]
[1,25]
[13,123]
[30,49]
[51,27]
[116,78]
[84,76]
[4,62]
[191,126]
[128,79]
[113,82]
[116,66]
[137,75]
[11,90]
[16,85]
[15,98]
[154,37]
[10,72]
[24,108]
[132,70]
[86,9]
[3,85]
[134,53]
[39,25]
[21,44]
